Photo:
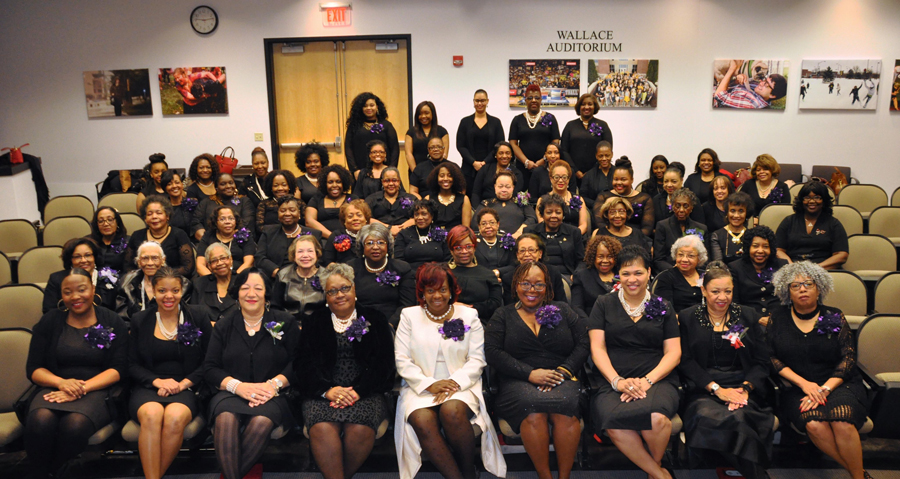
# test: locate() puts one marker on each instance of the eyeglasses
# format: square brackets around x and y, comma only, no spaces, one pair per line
[812,199]
[480,101]
[488,223]
[528,250]
[685,255]
[539,287]
[375,243]
[805,284]
[80,257]
[436,147]
[226,218]
[561,178]
[617,213]
[150,259]
[334,292]
[390,180]
[106,221]
[463,247]
[218,260]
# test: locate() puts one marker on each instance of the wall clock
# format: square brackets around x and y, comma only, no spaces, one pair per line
[204,20]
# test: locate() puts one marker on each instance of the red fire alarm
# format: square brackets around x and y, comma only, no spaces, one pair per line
[457,60]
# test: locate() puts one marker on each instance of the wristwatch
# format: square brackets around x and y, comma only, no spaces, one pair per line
[714,389]
[278,384]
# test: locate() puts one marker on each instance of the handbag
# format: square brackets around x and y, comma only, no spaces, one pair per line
[226,163]
[15,154]
[838,181]
[741,176]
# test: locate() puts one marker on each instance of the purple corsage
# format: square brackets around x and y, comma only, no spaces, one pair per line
[236,201]
[316,284]
[766,275]
[188,334]
[776,196]
[109,276]
[575,203]
[274,329]
[406,203]
[595,129]
[548,315]
[357,329]
[735,334]
[100,337]
[656,308]
[242,235]
[637,210]
[388,278]
[507,242]
[119,247]
[454,329]
[437,234]
[694,231]
[377,128]
[547,120]
[829,323]
[522,198]
[189,203]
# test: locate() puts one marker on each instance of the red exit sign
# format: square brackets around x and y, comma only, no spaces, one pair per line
[336,15]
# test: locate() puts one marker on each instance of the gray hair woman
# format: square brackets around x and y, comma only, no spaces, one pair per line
[382,283]
[812,346]
[374,231]
[298,288]
[135,288]
[212,290]
[679,224]
[681,285]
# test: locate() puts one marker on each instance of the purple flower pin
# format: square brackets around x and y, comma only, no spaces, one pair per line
[316,284]
[766,275]
[656,308]
[242,235]
[109,277]
[437,234]
[735,334]
[377,128]
[522,198]
[595,129]
[547,120]
[357,329]
[694,231]
[188,334]
[575,203]
[548,315]
[507,242]
[388,278]
[406,203]
[776,196]
[119,247]
[189,203]
[275,330]
[829,323]
[236,201]
[454,329]
[100,337]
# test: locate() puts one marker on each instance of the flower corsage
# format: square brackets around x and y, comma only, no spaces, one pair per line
[109,277]
[388,278]
[829,323]
[522,198]
[406,203]
[377,128]
[656,308]
[694,231]
[242,235]
[575,203]
[119,247]
[100,337]
[189,203]
[549,316]
[507,242]
[189,334]
[438,234]
[236,201]
[357,329]
[766,275]
[316,284]
[274,329]
[343,242]
[735,334]
[547,120]
[454,329]
[595,129]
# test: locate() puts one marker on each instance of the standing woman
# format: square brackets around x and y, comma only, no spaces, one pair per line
[298,287]
[479,286]
[494,248]
[564,244]
[575,212]
[272,249]
[541,182]
[226,195]
[165,359]
[382,282]
[226,228]
[515,213]
[447,187]
[341,247]
[183,206]
[725,243]
[580,136]
[153,172]
[475,139]
[422,242]
[599,277]
[812,233]
[248,405]
[368,179]
[203,172]
[212,290]
[77,352]
[425,127]
[178,251]
[108,231]
[323,214]
[766,189]
[531,132]
[484,180]
[391,206]
[753,273]
[277,184]
[252,186]
[643,216]
[653,185]
[705,170]
[439,352]
[598,179]
[310,159]
[715,209]
[367,121]
[635,347]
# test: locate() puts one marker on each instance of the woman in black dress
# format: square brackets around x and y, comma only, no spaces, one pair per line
[345,365]
[367,121]
[77,352]
[725,363]
[82,253]
[176,245]
[368,179]
[643,216]
[635,348]
[391,206]
[253,185]
[423,242]
[298,286]
[248,406]
[681,285]
[341,247]
[538,347]
[753,273]
[812,233]
[766,189]
[684,202]
[579,138]
[277,184]
[494,248]
[715,209]
[425,127]
[598,179]
[165,359]
[725,243]
[212,290]
[152,173]
[531,132]
[502,161]
[447,188]
[272,249]
[475,139]
[599,277]
[382,282]
[226,195]
[575,211]
[479,286]
[310,159]
[541,183]
[616,211]
[529,248]
[323,214]
[565,247]
[812,346]
[203,171]
[225,227]
[108,231]
[183,206]
[653,185]
[514,210]
[705,170]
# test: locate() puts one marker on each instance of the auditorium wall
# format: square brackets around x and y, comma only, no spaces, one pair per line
[45,45]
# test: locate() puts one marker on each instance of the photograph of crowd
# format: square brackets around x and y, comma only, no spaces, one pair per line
[188,91]
[117,93]
[840,84]
[560,81]
[753,84]
[895,86]
[624,83]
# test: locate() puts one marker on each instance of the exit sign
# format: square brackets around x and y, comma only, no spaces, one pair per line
[336,14]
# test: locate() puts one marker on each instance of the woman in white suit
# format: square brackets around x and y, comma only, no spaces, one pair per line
[439,348]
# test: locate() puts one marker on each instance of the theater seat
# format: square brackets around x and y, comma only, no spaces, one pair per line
[14,345]
[877,358]
[849,296]
[871,256]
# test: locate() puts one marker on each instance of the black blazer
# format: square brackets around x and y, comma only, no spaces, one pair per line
[465,140]
[667,232]
[318,354]
[565,250]
[53,291]
[251,191]
[140,350]
[206,293]
[586,287]
[750,290]
[272,249]
[483,189]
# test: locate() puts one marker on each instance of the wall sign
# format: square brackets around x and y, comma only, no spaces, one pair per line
[584,41]
[336,14]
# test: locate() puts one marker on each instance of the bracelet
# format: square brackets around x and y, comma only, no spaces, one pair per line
[826,388]
[615,382]
[232,386]
[648,380]
[271,382]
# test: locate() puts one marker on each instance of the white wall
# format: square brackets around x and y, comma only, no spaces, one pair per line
[45,45]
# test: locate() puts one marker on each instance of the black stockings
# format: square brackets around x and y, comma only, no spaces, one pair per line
[453,416]
[238,453]
[54,437]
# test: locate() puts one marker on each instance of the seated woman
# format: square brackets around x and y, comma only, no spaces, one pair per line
[334,185]
[298,287]
[766,188]
[706,168]
[422,242]
[674,227]
[77,352]
[575,212]
[418,178]
[494,248]
[439,352]
[615,212]
[725,243]
[565,248]
[514,213]
[662,203]
[271,251]
[108,231]
[529,248]
[681,285]
[479,286]
[248,406]
[368,179]
[345,365]
[81,253]
[382,282]
[253,185]
[828,399]
[341,246]
[152,173]
[226,195]
[225,227]
[812,233]
[134,291]
[598,178]
[203,172]
[179,253]
[310,159]
[391,206]
[183,206]
[165,359]
[537,372]
[715,210]
[653,185]
[447,188]
[643,217]
[278,184]
[541,183]
[753,273]
[483,189]
[599,277]
[635,348]
[212,290]
[726,410]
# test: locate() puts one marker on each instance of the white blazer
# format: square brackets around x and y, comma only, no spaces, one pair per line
[416,345]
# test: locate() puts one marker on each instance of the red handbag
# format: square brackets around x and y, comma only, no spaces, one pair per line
[15,154]
[226,163]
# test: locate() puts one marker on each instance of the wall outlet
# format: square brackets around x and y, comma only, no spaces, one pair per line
[258,136]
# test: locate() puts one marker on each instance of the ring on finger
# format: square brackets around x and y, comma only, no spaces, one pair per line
[252,395]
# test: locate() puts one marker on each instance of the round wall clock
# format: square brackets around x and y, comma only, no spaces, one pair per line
[204,20]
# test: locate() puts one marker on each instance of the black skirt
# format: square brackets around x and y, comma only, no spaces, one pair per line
[142,395]
[519,399]
[609,412]
[746,432]
[276,409]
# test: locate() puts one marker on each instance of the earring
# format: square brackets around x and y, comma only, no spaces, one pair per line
[60,307]
[451,263]
[268,304]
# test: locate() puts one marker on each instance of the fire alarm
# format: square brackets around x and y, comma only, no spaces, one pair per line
[457,60]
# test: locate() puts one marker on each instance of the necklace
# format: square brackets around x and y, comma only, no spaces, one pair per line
[438,319]
[169,335]
[736,238]
[533,120]
[764,192]
[446,202]
[159,238]
[352,234]
[341,325]
[335,201]
[375,270]
[423,239]
[809,315]
[488,243]
[633,311]
[252,326]
[293,233]
[713,320]
[205,185]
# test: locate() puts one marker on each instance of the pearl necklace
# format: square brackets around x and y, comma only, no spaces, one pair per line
[438,319]
[169,335]
[630,311]
[533,121]
[341,325]
[375,270]
[251,326]
[488,243]
[293,233]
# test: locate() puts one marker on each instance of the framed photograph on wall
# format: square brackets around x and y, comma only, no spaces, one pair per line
[839,84]
[560,82]
[112,93]
[750,84]
[624,83]
[193,90]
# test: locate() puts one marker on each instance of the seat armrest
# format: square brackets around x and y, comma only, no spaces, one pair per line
[869,377]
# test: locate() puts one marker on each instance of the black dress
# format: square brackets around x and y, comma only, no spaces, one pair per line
[578,144]
[479,287]
[239,248]
[780,194]
[586,288]
[635,238]
[386,298]
[828,237]
[644,216]
[754,289]
[104,288]
[298,296]
[177,248]
[253,188]
[634,349]
[484,181]
[540,183]
[450,215]
[183,214]
[651,187]
[476,144]
[336,248]
[193,190]
[674,288]
[418,247]
[266,213]
[662,211]
[113,255]
[695,183]
[533,141]
[206,293]
[714,218]
[419,176]
[510,214]
[272,249]
[307,190]
[723,247]
[817,357]
[564,248]
[420,145]
[495,256]
[391,214]
[356,140]
[329,217]
[595,183]
[366,184]
[514,351]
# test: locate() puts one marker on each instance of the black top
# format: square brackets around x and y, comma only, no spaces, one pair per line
[483,189]
[416,248]
[586,288]
[511,214]
[272,249]
[667,232]
[252,187]
[450,215]
[480,288]
[714,218]
[828,237]
[813,356]
[53,290]
[307,189]
[337,250]
[644,216]
[206,293]
[533,141]
[240,205]
[391,214]
[266,213]
[509,295]
[579,146]
[356,151]
[113,255]
[496,256]
[384,297]
[663,211]
[674,288]
[420,145]
[514,351]
[477,144]
[366,184]
[141,355]
[540,183]
[183,215]
[193,190]
[328,216]
[754,289]
[594,183]
[177,248]
[564,249]
[636,238]
[239,249]
[695,183]
[780,194]
[723,248]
